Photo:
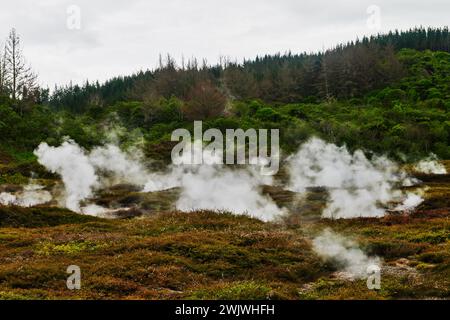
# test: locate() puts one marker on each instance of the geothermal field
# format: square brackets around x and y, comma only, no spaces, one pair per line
[312,231]
[166,150]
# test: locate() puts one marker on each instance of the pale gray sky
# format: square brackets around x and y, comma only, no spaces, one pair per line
[119,37]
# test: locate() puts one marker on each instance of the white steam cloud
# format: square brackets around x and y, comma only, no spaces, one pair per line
[31,195]
[215,187]
[75,169]
[430,166]
[357,187]
[205,186]
[122,166]
[7,199]
[82,173]
[344,252]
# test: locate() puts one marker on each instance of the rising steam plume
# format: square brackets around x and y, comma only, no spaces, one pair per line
[76,171]
[213,187]
[217,187]
[31,195]
[84,172]
[344,253]
[430,165]
[357,186]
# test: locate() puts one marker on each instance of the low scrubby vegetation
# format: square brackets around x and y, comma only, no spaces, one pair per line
[207,255]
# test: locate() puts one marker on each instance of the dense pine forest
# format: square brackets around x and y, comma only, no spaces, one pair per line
[347,71]
[387,93]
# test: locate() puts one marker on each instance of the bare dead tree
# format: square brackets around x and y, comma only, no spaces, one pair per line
[3,83]
[20,79]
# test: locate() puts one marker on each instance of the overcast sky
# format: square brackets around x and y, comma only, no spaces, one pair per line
[117,37]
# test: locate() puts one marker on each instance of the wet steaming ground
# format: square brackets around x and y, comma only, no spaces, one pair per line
[130,201]
[150,251]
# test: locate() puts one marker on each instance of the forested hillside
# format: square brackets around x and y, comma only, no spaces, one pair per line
[346,71]
[389,94]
